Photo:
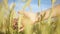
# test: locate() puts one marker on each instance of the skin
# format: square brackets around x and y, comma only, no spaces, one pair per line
[34,16]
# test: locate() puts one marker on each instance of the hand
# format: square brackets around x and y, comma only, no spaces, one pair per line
[32,18]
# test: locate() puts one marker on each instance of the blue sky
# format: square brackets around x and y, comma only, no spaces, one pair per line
[34,4]
[44,4]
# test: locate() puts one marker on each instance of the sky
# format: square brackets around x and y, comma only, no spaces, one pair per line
[44,4]
[34,5]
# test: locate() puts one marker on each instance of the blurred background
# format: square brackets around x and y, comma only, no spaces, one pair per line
[44,4]
[11,20]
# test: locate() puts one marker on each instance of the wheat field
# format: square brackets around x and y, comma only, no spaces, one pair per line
[11,25]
